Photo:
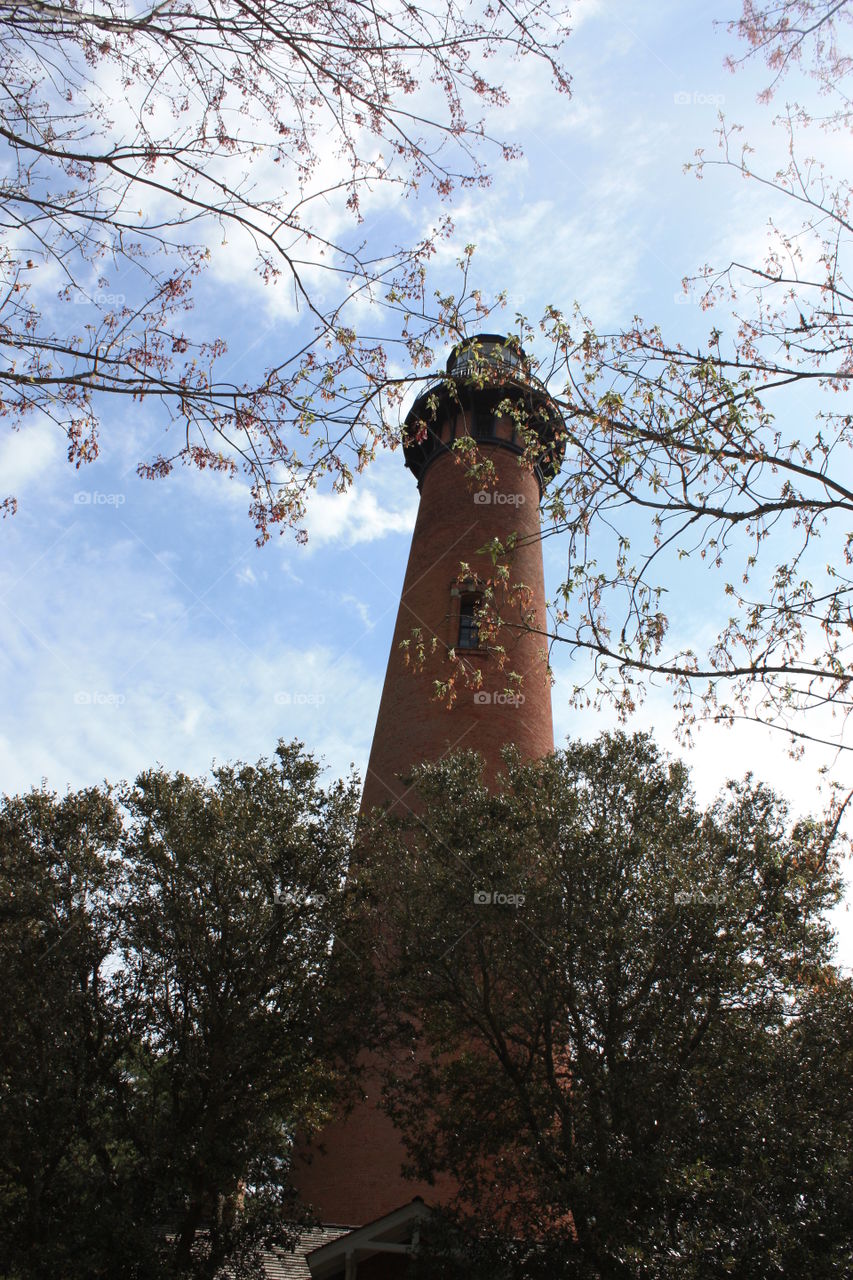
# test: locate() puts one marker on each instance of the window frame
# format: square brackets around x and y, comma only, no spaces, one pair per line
[461,593]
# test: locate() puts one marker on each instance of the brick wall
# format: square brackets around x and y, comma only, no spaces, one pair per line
[358,1178]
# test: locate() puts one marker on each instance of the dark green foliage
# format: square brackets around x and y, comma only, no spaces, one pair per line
[644,1068]
[172,1011]
[62,1159]
[640,1070]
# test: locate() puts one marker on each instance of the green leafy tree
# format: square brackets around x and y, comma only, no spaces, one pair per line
[623,1034]
[222,1017]
[63,1161]
[244,1011]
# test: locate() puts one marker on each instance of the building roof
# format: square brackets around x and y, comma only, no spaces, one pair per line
[284,1265]
[394,1233]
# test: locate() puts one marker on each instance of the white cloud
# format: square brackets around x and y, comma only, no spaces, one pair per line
[28,457]
[361,609]
[117,665]
[362,514]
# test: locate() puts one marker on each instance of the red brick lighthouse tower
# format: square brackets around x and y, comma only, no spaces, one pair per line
[488,416]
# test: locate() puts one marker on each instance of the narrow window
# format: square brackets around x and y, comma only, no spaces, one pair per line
[469,629]
[484,426]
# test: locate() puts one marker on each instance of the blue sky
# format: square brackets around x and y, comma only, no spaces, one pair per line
[140,622]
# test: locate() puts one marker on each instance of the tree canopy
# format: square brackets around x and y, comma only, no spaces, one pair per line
[612,1016]
[624,1037]
[172,1012]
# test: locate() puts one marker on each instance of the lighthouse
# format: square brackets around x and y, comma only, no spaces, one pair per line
[482,443]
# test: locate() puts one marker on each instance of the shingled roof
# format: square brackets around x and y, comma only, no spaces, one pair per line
[284,1265]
